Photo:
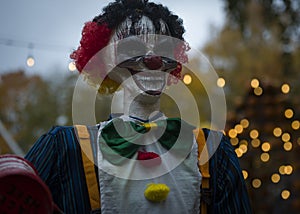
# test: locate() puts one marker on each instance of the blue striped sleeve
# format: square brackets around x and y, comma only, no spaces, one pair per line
[57,158]
[43,155]
[229,194]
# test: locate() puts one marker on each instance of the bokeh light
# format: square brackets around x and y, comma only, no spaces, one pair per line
[265,157]
[288,113]
[285,194]
[30,61]
[275,178]
[221,82]
[254,134]
[277,132]
[285,88]
[256,183]
[254,83]
[187,79]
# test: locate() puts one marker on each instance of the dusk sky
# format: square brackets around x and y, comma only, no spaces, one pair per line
[49,30]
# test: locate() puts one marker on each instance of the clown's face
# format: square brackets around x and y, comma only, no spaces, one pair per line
[141,55]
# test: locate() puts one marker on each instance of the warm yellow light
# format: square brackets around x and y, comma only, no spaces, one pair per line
[295,124]
[266,146]
[265,157]
[239,152]
[256,183]
[244,148]
[254,83]
[285,88]
[298,141]
[255,143]
[245,123]
[232,133]
[288,146]
[282,169]
[258,91]
[221,82]
[234,141]
[275,178]
[72,66]
[245,174]
[277,132]
[288,113]
[30,61]
[285,194]
[288,169]
[187,79]
[254,134]
[286,137]
[238,128]
[244,142]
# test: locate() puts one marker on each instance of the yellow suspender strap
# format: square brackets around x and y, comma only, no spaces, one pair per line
[88,165]
[204,168]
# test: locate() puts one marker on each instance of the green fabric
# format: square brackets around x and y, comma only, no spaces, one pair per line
[123,138]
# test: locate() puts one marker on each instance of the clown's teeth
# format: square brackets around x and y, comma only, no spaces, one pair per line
[150,81]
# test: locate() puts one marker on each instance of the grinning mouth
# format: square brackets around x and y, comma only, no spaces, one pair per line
[150,82]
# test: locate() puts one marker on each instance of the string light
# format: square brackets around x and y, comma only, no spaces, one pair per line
[255,143]
[256,183]
[254,83]
[30,61]
[258,91]
[286,137]
[221,82]
[288,169]
[234,141]
[244,142]
[285,88]
[238,128]
[244,123]
[266,146]
[287,146]
[288,113]
[244,148]
[277,132]
[295,124]
[254,134]
[245,174]
[72,66]
[232,133]
[187,79]
[275,178]
[285,194]
[281,170]
[239,152]
[265,157]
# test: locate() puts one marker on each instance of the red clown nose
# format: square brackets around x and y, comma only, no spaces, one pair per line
[153,62]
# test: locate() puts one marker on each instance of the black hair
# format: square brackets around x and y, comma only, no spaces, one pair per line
[116,12]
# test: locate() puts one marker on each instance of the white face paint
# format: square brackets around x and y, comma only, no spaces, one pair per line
[141,69]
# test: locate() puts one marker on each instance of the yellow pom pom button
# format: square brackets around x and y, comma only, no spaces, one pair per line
[156,192]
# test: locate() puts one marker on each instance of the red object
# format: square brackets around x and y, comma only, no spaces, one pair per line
[21,189]
[153,62]
[94,38]
[149,159]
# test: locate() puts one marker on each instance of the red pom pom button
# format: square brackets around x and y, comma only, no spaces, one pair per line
[149,159]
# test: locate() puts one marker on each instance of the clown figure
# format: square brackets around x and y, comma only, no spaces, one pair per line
[139,161]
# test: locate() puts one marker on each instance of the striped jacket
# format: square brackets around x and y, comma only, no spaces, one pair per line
[57,157]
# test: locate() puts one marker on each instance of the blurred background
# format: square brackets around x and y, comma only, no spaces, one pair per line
[252,44]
